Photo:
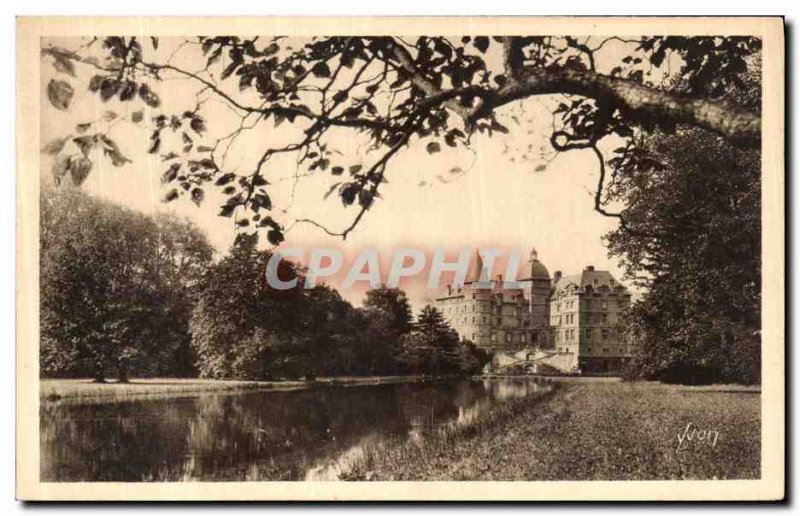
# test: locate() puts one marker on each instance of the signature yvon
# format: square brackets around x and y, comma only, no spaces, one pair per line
[692,433]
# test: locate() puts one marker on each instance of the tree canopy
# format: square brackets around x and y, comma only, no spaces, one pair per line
[397,92]
[117,288]
[692,237]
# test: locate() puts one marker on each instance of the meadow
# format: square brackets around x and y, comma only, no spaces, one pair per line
[589,431]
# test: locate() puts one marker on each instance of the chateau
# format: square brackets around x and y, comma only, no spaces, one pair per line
[570,323]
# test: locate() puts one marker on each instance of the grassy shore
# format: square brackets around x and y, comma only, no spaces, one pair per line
[82,390]
[589,431]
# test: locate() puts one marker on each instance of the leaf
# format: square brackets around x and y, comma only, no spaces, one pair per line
[137,116]
[154,145]
[198,125]
[60,94]
[433,147]
[227,210]
[95,83]
[321,69]
[79,168]
[540,168]
[111,149]
[198,195]
[149,98]
[171,195]
[225,179]
[171,173]
[54,146]
[154,41]
[330,190]
[481,43]
[275,236]
[108,116]
[337,171]
[348,193]
[108,88]
[63,64]
[60,169]
[85,144]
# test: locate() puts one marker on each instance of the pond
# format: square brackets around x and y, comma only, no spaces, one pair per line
[254,435]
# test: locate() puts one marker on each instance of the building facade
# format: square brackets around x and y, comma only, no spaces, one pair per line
[571,322]
[585,318]
[495,317]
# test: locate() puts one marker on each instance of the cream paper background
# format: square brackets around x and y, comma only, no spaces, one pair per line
[769,487]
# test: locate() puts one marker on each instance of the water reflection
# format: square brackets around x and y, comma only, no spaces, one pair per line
[252,435]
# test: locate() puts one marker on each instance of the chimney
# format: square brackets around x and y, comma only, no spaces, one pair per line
[590,268]
[556,277]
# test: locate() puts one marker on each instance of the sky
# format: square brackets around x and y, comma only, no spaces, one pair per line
[510,191]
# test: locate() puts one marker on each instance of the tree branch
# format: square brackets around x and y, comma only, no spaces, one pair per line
[639,102]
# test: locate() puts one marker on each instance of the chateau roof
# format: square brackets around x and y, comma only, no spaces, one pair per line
[588,278]
[476,272]
[536,270]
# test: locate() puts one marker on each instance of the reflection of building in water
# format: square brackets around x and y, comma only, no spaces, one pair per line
[569,323]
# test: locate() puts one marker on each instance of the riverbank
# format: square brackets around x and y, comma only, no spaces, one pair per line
[589,431]
[85,390]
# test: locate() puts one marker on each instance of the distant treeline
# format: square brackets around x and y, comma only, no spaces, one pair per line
[127,295]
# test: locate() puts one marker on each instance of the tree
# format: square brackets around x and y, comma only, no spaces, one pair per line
[110,300]
[434,347]
[388,313]
[395,93]
[692,238]
[239,318]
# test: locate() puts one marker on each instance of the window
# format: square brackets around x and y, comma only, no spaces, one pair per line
[605,318]
[605,335]
[523,338]
[494,337]
[509,337]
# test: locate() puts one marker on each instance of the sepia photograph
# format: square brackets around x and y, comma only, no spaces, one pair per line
[337,252]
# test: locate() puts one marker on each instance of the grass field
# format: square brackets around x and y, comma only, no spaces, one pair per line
[89,391]
[589,431]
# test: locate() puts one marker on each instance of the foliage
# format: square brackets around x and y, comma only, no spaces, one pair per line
[433,346]
[692,236]
[395,92]
[115,288]
[245,329]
